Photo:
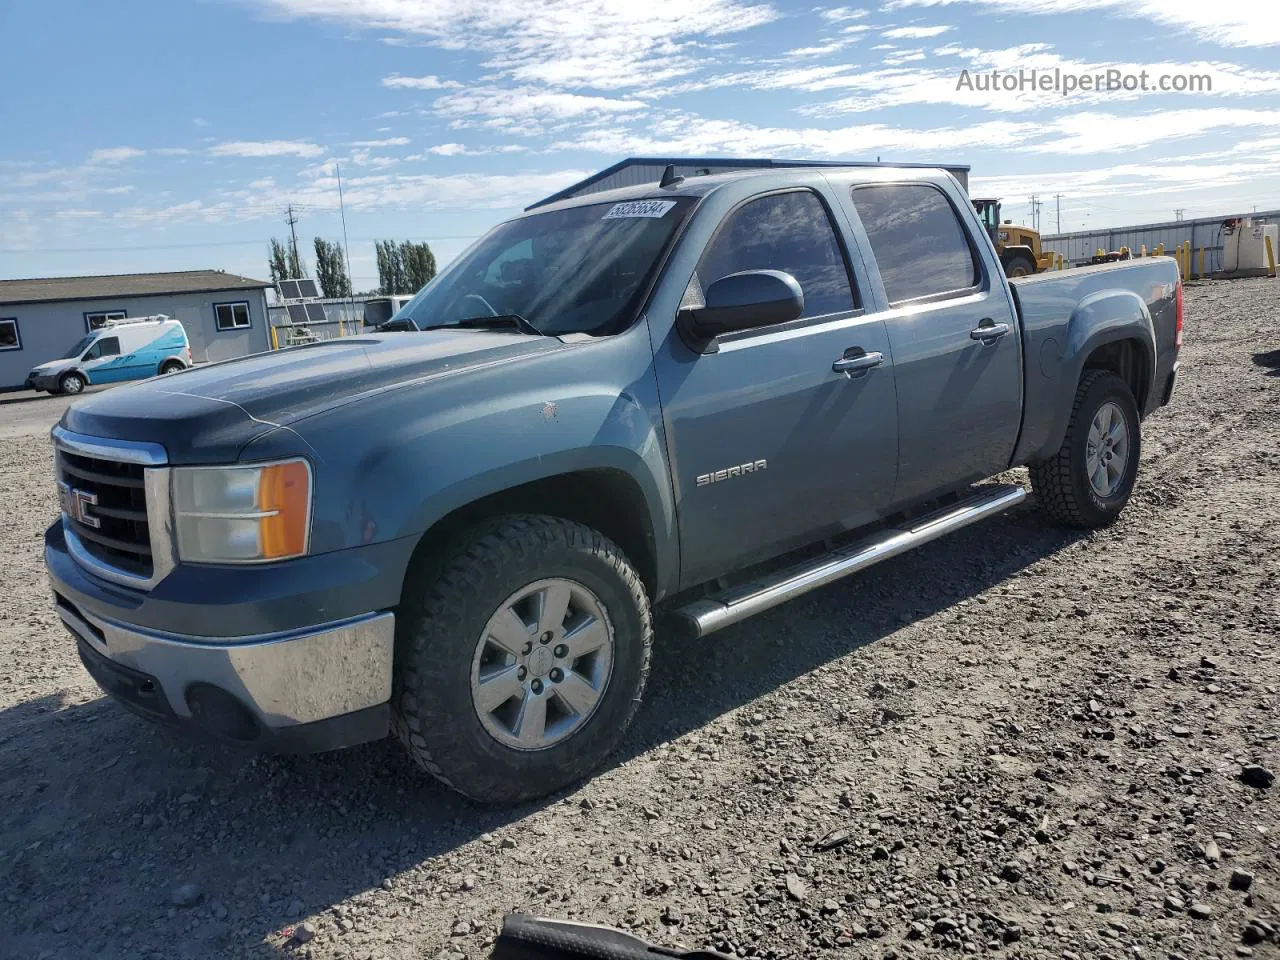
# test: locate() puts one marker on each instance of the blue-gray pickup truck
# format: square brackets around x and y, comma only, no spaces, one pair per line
[702,397]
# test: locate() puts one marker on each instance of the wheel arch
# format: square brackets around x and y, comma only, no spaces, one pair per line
[1110,330]
[605,498]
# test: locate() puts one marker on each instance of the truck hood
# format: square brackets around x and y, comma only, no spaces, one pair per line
[207,414]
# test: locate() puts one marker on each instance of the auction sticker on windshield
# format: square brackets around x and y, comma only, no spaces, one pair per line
[639,208]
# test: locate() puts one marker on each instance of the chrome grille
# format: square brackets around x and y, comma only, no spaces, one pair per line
[105,502]
[115,507]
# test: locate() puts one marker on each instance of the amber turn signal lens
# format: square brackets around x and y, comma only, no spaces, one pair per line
[284,492]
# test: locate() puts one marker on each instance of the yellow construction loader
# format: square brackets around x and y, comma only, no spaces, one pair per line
[1019,247]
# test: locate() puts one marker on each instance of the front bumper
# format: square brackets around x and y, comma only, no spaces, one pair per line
[35,382]
[293,659]
[296,692]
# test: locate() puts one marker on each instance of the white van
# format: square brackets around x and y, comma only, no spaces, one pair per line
[130,349]
[378,312]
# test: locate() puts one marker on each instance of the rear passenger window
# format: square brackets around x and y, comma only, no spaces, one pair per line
[921,247]
[789,232]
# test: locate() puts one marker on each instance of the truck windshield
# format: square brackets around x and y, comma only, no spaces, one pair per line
[579,270]
[81,346]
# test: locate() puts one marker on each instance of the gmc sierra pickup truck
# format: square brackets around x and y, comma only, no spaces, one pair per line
[703,397]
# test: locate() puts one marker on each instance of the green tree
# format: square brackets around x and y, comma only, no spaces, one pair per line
[419,265]
[404,267]
[331,269]
[284,262]
[278,261]
[390,267]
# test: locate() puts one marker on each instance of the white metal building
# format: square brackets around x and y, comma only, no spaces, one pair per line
[225,315]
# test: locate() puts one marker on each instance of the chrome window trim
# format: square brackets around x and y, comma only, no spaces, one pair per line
[153,457]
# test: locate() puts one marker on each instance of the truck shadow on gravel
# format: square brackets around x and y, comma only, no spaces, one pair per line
[107,818]
[1270,360]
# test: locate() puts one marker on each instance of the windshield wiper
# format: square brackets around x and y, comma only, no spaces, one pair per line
[503,320]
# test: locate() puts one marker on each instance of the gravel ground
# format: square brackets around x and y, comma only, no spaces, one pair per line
[1017,740]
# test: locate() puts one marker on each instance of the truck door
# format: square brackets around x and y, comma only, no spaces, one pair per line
[956,350]
[771,444]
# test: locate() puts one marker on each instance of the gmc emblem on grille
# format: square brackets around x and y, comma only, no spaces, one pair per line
[76,504]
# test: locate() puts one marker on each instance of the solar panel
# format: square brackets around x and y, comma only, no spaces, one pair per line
[289,289]
[315,312]
[307,288]
[297,313]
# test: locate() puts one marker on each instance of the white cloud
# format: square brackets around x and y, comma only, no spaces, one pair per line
[266,148]
[419,83]
[676,133]
[388,142]
[373,192]
[898,85]
[1094,133]
[606,44]
[1239,25]
[528,109]
[841,14]
[913,33]
[115,154]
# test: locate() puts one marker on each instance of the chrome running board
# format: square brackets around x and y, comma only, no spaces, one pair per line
[720,610]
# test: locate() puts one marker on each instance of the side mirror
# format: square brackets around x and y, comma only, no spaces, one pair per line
[744,301]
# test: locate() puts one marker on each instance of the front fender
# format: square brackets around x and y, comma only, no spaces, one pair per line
[393,464]
[1100,318]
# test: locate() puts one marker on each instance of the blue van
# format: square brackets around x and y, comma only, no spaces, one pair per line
[128,349]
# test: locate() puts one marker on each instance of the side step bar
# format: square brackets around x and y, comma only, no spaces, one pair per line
[713,613]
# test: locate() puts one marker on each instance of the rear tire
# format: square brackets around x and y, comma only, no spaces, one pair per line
[71,384]
[492,695]
[1090,479]
[171,366]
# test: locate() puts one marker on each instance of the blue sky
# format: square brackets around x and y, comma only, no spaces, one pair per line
[142,135]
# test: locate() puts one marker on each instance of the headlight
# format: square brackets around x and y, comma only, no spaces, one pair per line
[242,514]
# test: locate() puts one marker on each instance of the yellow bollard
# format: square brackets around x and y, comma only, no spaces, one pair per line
[1271,256]
[275,339]
[1144,251]
[1159,250]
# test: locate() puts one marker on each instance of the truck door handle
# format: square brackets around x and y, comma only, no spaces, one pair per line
[988,332]
[851,364]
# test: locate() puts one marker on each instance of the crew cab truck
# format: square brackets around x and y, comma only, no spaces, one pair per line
[702,398]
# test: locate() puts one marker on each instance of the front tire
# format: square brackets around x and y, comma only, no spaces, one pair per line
[71,384]
[521,657]
[1019,265]
[1088,482]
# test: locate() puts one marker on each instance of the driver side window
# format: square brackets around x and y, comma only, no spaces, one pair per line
[106,347]
[784,231]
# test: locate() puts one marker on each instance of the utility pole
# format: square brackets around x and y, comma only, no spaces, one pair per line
[346,247]
[1177,214]
[1057,202]
[1035,212]
[291,220]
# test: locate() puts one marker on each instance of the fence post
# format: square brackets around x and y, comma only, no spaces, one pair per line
[1202,263]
